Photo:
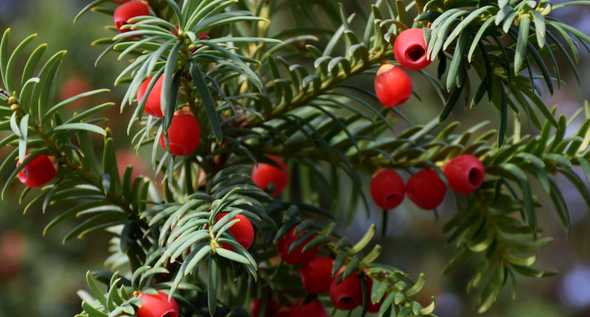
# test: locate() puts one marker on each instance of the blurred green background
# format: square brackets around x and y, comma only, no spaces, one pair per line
[39,276]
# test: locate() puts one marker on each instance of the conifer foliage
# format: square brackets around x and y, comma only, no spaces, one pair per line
[254,128]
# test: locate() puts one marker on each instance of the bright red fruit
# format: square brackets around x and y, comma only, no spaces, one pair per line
[316,275]
[346,294]
[128,10]
[184,134]
[271,177]
[387,188]
[393,86]
[157,305]
[312,309]
[297,255]
[410,49]
[242,231]
[38,171]
[271,308]
[465,173]
[153,105]
[426,189]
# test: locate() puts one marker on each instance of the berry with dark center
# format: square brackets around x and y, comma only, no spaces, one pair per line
[387,188]
[347,293]
[242,231]
[129,10]
[153,104]
[316,275]
[272,178]
[465,173]
[157,305]
[38,171]
[410,49]
[426,189]
[184,134]
[393,86]
[296,256]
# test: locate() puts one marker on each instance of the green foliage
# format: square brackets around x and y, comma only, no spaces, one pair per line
[259,90]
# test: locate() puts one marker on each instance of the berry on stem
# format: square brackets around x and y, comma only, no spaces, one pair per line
[410,49]
[393,86]
[465,173]
[38,171]
[128,10]
[296,256]
[426,189]
[184,134]
[153,104]
[273,178]
[387,188]
[316,275]
[157,305]
[346,294]
[242,231]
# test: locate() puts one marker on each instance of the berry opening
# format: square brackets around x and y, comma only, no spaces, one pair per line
[170,314]
[393,197]
[346,300]
[475,177]
[415,53]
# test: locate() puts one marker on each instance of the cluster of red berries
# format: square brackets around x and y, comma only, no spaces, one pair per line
[315,272]
[393,86]
[464,173]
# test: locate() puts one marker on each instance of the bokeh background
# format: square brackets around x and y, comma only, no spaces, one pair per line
[39,276]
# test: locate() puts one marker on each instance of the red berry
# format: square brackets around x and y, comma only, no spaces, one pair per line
[316,275]
[13,247]
[157,305]
[242,231]
[38,171]
[387,188]
[271,177]
[346,294]
[426,189]
[271,308]
[465,173]
[312,309]
[203,36]
[74,86]
[153,105]
[129,158]
[410,49]
[128,10]
[297,255]
[184,134]
[393,86]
